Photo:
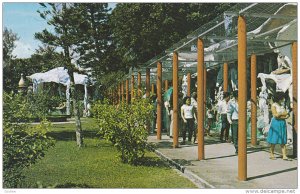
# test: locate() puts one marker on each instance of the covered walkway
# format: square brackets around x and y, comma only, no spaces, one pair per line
[231,45]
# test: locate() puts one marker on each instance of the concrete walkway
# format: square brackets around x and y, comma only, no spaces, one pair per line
[220,167]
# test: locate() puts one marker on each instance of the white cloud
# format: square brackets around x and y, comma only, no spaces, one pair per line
[23,50]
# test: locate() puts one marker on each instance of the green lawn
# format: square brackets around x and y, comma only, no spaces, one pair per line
[96,165]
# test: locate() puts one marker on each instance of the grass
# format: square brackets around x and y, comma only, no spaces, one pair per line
[96,165]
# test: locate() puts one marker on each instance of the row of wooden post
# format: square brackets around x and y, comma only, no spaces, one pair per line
[201,93]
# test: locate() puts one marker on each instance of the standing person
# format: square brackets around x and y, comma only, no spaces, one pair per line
[195,105]
[154,113]
[232,117]
[194,100]
[188,116]
[222,110]
[210,116]
[171,115]
[278,130]
[167,116]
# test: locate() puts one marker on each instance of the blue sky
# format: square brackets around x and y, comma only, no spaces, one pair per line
[22,18]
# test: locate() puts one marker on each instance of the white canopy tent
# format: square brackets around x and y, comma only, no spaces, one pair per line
[60,75]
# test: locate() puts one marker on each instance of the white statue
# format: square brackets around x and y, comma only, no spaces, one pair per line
[262,104]
[184,86]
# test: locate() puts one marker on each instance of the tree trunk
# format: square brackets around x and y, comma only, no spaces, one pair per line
[76,112]
[74,100]
[74,97]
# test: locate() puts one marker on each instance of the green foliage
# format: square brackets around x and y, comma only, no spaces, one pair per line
[16,108]
[43,61]
[110,80]
[9,39]
[43,103]
[92,32]
[144,30]
[124,125]
[22,146]
[24,108]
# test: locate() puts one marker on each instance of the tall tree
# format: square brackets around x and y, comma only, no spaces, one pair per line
[9,40]
[93,33]
[144,30]
[96,47]
[64,21]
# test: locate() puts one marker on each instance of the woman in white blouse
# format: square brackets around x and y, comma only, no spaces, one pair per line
[189,117]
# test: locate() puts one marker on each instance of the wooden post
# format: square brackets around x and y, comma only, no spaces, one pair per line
[148,95]
[132,88]
[109,96]
[295,96]
[115,96]
[166,85]
[122,91]
[139,85]
[175,100]
[204,93]
[200,99]
[119,93]
[147,82]
[189,84]
[127,91]
[242,99]
[225,77]
[253,101]
[152,89]
[159,100]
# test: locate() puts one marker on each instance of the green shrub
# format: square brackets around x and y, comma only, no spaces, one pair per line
[124,125]
[43,103]
[23,108]
[23,145]
[16,108]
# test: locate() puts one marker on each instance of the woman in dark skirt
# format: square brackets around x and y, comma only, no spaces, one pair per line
[278,129]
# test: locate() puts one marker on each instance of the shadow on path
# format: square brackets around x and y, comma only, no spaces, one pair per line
[272,173]
[152,162]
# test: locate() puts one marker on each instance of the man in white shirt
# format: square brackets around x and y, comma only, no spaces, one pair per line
[232,117]
[222,110]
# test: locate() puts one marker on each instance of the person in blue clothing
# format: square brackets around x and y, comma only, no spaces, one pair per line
[278,129]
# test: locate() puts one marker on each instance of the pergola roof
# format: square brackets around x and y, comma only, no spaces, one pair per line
[58,75]
[271,27]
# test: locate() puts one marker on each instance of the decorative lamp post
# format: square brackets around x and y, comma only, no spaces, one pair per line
[22,87]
